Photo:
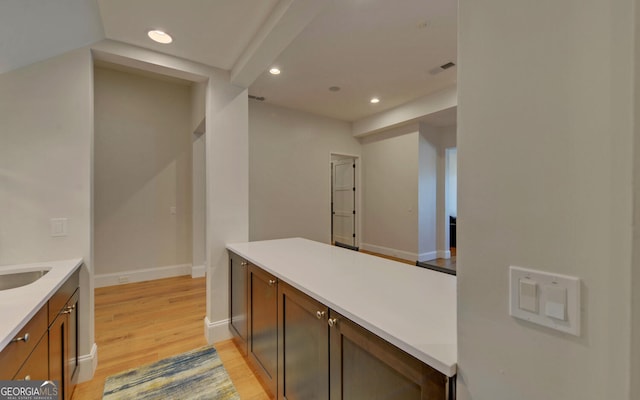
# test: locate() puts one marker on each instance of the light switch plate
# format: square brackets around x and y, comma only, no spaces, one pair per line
[58,227]
[552,290]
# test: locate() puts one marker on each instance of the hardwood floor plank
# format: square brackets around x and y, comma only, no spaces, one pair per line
[140,323]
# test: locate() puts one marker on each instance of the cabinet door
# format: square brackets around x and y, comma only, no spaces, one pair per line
[59,352]
[35,367]
[238,300]
[263,325]
[303,346]
[71,364]
[364,366]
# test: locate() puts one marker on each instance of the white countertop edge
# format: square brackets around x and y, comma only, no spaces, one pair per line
[449,369]
[446,367]
[19,305]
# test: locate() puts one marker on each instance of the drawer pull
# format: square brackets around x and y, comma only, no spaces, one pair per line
[332,322]
[244,263]
[320,314]
[25,338]
[69,309]
[272,282]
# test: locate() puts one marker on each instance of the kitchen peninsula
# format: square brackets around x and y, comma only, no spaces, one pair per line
[320,318]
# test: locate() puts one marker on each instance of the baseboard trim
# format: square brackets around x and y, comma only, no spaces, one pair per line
[432,255]
[141,275]
[216,331]
[198,271]
[87,365]
[444,254]
[405,255]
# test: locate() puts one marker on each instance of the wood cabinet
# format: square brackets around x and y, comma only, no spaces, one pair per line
[364,366]
[16,353]
[47,347]
[238,300]
[63,347]
[34,368]
[303,341]
[263,325]
[303,350]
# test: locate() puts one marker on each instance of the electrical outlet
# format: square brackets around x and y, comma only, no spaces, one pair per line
[172,210]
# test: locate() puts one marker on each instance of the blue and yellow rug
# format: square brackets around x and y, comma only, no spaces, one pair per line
[198,374]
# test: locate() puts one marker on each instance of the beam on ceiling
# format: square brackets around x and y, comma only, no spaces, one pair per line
[286,21]
[407,113]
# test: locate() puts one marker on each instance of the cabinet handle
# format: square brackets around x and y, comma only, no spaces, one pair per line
[69,309]
[333,322]
[320,314]
[25,338]
[27,378]
[272,282]
[244,263]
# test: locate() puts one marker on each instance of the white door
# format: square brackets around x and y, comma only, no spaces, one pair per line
[343,200]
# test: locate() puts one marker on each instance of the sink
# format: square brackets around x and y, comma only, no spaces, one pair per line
[18,279]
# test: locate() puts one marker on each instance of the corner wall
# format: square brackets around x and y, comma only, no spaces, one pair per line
[635,265]
[545,116]
[46,127]
[430,191]
[390,170]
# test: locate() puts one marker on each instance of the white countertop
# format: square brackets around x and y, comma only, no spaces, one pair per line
[19,305]
[411,307]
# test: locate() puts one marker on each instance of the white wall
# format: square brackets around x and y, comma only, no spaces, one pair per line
[199,177]
[428,149]
[290,171]
[390,193]
[227,171]
[46,125]
[451,181]
[635,282]
[447,187]
[142,168]
[544,172]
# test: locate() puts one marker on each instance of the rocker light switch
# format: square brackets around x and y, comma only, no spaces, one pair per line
[528,290]
[545,298]
[555,305]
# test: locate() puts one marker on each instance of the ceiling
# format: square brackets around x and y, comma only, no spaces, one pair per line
[34,30]
[213,32]
[366,47]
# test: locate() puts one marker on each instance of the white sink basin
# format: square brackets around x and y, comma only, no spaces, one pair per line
[18,279]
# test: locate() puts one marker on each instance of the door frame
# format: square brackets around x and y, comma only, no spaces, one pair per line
[358,197]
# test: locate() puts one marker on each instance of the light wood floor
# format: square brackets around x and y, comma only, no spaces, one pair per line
[440,262]
[402,260]
[140,323]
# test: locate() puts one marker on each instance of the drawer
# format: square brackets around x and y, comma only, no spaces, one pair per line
[36,367]
[14,355]
[60,298]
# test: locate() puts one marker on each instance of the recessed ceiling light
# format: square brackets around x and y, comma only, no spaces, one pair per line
[160,36]
[274,71]
[375,100]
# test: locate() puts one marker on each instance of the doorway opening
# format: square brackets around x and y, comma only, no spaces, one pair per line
[451,196]
[344,201]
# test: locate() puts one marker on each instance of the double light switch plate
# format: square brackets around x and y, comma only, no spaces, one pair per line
[546,299]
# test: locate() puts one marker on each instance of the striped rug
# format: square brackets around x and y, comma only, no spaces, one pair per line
[197,374]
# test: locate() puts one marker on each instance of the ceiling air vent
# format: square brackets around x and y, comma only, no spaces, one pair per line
[441,68]
[259,98]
